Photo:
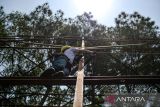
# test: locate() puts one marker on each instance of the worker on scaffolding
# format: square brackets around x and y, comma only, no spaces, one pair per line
[63,63]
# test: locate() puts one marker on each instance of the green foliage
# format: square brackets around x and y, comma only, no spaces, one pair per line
[3,31]
[135,26]
[42,26]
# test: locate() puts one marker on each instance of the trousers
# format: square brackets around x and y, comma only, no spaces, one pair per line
[60,64]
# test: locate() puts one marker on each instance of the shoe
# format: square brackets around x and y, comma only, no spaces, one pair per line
[48,72]
[58,74]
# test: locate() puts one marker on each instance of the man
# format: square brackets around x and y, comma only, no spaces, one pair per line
[63,62]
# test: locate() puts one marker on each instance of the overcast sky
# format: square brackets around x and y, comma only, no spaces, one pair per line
[104,11]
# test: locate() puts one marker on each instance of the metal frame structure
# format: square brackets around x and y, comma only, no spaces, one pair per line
[71,81]
[88,80]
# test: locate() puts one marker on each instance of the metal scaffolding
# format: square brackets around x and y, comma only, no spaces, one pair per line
[92,81]
[88,80]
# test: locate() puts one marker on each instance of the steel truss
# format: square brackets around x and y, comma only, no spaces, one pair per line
[88,80]
[91,81]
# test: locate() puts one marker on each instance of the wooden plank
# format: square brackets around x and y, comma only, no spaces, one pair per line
[78,98]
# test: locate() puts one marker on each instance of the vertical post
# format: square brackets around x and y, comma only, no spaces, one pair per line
[78,98]
[93,95]
[13,52]
[93,86]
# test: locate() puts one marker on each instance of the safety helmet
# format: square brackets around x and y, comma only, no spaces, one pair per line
[65,48]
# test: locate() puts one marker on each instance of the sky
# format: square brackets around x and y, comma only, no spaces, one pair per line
[104,11]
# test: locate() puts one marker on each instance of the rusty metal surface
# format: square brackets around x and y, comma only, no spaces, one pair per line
[92,80]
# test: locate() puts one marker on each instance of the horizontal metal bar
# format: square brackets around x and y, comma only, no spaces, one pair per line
[16,105]
[136,49]
[95,80]
[75,37]
[30,47]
